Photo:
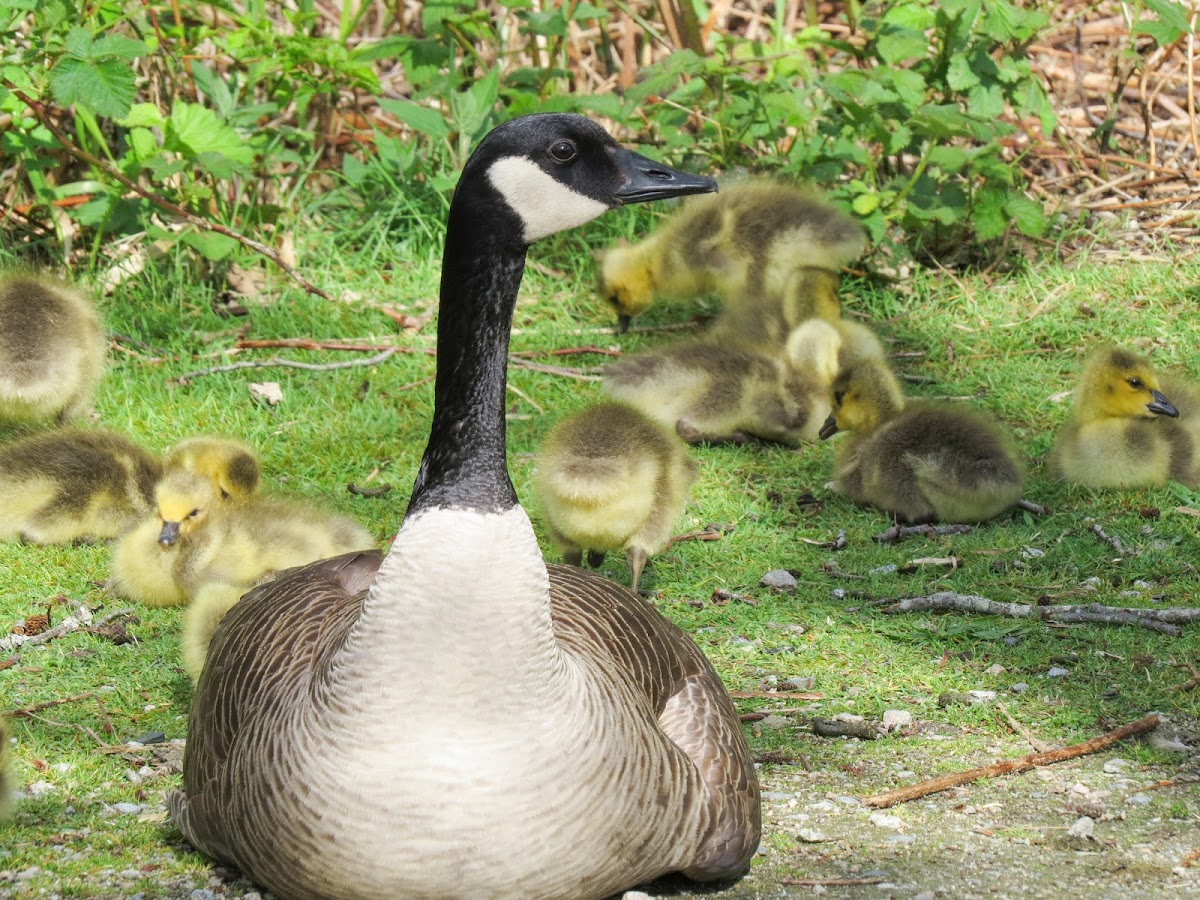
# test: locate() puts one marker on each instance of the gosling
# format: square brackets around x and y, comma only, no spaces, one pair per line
[52,350]
[769,251]
[712,393]
[192,538]
[230,464]
[609,478]
[1124,431]
[920,461]
[74,485]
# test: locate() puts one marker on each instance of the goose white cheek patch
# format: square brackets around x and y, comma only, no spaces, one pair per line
[544,204]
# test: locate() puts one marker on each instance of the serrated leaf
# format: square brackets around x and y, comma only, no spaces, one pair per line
[421,119]
[209,244]
[119,46]
[985,101]
[78,43]
[1163,33]
[106,88]
[865,204]
[948,159]
[143,143]
[1172,15]
[988,215]
[1026,214]
[197,132]
[959,74]
[899,45]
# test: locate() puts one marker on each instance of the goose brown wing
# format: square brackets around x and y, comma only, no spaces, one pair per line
[615,631]
[275,635]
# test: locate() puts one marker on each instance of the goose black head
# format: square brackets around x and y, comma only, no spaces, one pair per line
[555,171]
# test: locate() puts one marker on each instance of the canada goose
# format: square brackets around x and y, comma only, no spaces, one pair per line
[73,484]
[192,538]
[711,392]
[769,251]
[609,478]
[921,461]
[1124,431]
[230,464]
[458,719]
[52,349]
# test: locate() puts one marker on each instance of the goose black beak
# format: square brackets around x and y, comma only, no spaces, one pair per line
[646,179]
[1162,406]
[829,429]
[623,323]
[169,534]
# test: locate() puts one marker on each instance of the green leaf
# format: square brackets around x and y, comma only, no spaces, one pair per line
[898,45]
[949,159]
[865,204]
[940,121]
[959,74]
[197,132]
[988,215]
[1026,214]
[214,88]
[421,119]
[211,246]
[106,88]
[472,108]
[585,10]
[78,43]
[143,143]
[1172,20]
[119,46]
[143,115]
[985,101]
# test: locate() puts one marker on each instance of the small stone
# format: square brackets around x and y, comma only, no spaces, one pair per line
[981,696]
[776,795]
[811,836]
[26,874]
[798,683]
[883,820]
[1163,742]
[1019,688]
[206,894]
[884,570]
[1130,594]
[1138,799]
[1081,789]
[896,718]
[822,806]
[901,839]
[1032,553]
[38,788]
[628,895]
[1057,672]
[1114,766]
[1083,827]
[62,768]
[780,579]
[924,895]
[775,722]
[152,737]
[997,669]
[127,809]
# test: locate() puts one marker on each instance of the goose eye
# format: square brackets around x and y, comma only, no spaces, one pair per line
[838,397]
[1136,384]
[193,514]
[563,151]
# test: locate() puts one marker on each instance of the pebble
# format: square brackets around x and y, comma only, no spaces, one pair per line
[896,718]
[776,795]
[884,570]
[776,722]
[822,806]
[811,836]
[206,894]
[1083,827]
[799,683]
[628,895]
[127,809]
[1138,799]
[62,768]
[981,696]
[902,838]
[997,669]
[1057,672]
[1032,553]
[26,874]
[780,579]
[883,820]
[1114,766]
[39,787]
[1019,688]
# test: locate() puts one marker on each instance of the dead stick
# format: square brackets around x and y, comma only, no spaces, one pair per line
[43,116]
[900,532]
[1029,506]
[289,364]
[776,695]
[553,370]
[1011,766]
[310,344]
[829,882]
[1040,746]
[38,707]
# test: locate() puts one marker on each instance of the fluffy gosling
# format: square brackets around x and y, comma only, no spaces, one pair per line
[920,461]
[74,484]
[609,478]
[1125,431]
[52,350]
[230,464]
[769,251]
[711,392]
[192,539]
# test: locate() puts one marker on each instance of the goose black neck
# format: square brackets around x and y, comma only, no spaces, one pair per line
[465,465]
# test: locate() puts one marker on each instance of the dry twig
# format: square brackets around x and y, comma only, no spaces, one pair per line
[276,362]
[1006,767]
[900,532]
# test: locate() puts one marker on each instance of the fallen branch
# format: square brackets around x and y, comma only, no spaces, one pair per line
[1191,683]
[1007,767]
[42,114]
[1029,506]
[368,492]
[776,695]
[900,532]
[1165,621]
[864,731]
[829,882]
[1040,746]
[48,704]
[565,372]
[1110,539]
[310,344]
[276,362]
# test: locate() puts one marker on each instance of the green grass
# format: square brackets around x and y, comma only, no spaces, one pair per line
[1013,343]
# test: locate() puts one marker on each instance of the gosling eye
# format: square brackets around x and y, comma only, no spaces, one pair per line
[563,151]
[193,514]
[1136,383]
[838,397]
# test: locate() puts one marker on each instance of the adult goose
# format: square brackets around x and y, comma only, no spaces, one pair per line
[458,719]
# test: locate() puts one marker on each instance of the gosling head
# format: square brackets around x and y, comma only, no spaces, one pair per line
[228,463]
[1118,384]
[182,501]
[865,396]
[626,282]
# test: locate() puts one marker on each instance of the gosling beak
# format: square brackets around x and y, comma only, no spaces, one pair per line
[829,429]
[1162,406]
[169,534]
[623,323]
[646,179]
